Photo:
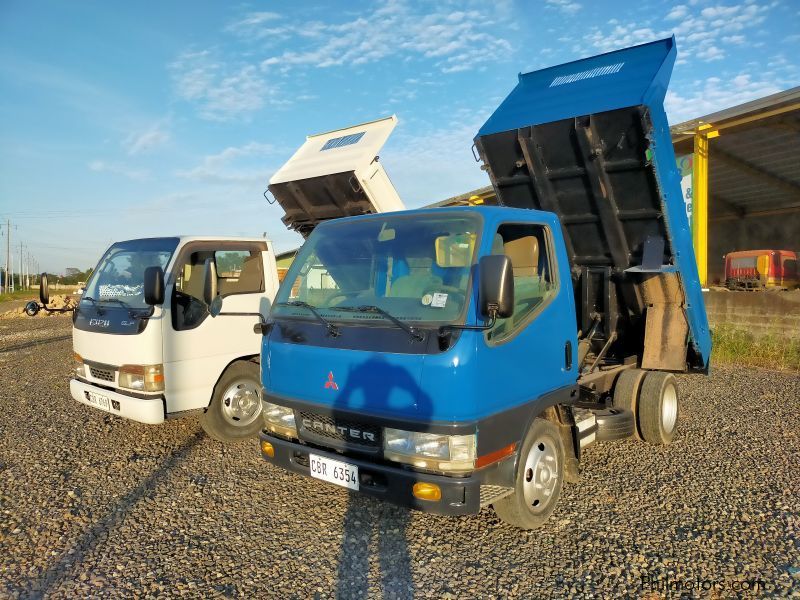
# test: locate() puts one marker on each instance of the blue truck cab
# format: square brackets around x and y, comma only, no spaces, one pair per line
[453,358]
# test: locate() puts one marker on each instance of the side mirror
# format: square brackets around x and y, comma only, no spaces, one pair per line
[215,307]
[153,286]
[496,286]
[44,289]
[209,282]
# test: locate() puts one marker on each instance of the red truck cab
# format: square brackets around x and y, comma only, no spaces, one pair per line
[761,269]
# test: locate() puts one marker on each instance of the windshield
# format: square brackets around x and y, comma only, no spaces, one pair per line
[415,268]
[120,273]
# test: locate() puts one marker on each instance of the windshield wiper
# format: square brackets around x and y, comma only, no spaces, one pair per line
[371,308]
[333,330]
[122,303]
[94,303]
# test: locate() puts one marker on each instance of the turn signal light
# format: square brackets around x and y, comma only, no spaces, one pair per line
[427,491]
[80,369]
[268,449]
[493,457]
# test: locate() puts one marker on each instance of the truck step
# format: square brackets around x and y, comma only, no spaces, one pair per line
[492,493]
[586,424]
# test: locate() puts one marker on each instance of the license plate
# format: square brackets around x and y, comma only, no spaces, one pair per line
[98,400]
[334,471]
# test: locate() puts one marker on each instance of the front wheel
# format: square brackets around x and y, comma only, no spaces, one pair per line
[540,475]
[235,409]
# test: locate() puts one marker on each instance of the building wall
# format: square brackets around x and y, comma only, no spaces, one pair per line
[774,232]
[758,312]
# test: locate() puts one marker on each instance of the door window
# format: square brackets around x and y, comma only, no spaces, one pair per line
[239,272]
[534,283]
[236,272]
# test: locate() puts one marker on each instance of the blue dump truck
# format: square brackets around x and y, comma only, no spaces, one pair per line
[448,359]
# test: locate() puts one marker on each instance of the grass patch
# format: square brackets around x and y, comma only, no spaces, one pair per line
[19,295]
[735,345]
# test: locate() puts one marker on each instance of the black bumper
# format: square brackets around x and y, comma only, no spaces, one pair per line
[460,495]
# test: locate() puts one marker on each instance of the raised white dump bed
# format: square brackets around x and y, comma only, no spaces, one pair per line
[336,174]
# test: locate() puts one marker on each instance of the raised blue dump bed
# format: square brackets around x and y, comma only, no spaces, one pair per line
[589,141]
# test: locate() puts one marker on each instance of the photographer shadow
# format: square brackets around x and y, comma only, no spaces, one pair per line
[371,387]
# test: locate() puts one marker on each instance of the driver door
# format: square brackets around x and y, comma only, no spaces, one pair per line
[198,347]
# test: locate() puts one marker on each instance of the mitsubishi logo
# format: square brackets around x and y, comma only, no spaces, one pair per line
[331,384]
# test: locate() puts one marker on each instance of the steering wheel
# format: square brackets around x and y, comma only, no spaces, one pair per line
[192,307]
[337,299]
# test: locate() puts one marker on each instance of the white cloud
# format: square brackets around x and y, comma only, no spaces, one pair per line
[225,87]
[567,6]
[709,53]
[145,141]
[702,32]
[416,162]
[220,168]
[253,19]
[258,26]
[101,166]
[456,40]
[678,12]
[221,91]
[714,94]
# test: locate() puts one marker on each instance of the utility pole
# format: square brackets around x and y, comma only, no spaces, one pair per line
[5,275]
[21,283]
[9,259]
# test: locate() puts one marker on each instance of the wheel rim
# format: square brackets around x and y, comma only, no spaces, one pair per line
[541,473]
[241,403]
[669,408]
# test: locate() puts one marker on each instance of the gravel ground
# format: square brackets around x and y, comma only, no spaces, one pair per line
[93,505]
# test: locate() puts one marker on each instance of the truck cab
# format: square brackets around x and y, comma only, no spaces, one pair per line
[151,339]
[454,358]
[156,354]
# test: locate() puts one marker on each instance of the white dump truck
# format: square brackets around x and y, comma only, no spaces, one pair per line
[145,347]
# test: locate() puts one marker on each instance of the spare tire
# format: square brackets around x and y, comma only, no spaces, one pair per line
[626,394]
[614,424]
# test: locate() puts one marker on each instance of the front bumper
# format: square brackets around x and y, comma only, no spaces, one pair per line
[460,495]
[144,410]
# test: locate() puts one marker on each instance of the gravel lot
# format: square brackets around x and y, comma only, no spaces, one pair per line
[94,505]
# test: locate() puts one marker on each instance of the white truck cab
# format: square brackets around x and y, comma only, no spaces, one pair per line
[151,338]
[153,362]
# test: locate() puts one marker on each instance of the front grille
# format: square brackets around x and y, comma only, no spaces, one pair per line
[104,374]
[342,430]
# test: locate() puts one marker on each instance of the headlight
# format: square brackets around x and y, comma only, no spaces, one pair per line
[450,453]
[80,369]
[142,378]
[279,419]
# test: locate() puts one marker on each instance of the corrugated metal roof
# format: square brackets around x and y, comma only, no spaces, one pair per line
[754,164]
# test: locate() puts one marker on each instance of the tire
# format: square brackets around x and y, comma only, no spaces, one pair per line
[658,408]
[614,424]
[626,394]
[541,458]
[234,412]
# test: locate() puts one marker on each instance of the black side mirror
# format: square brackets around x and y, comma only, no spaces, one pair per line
[496,286]
[215,307]
[209,282]
[44,289]
[153,286]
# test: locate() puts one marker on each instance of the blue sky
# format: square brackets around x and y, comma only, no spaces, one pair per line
[121,120]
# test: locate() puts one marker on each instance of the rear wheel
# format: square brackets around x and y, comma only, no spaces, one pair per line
[626,393]
[235,409]
[540,475]
[658,407]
